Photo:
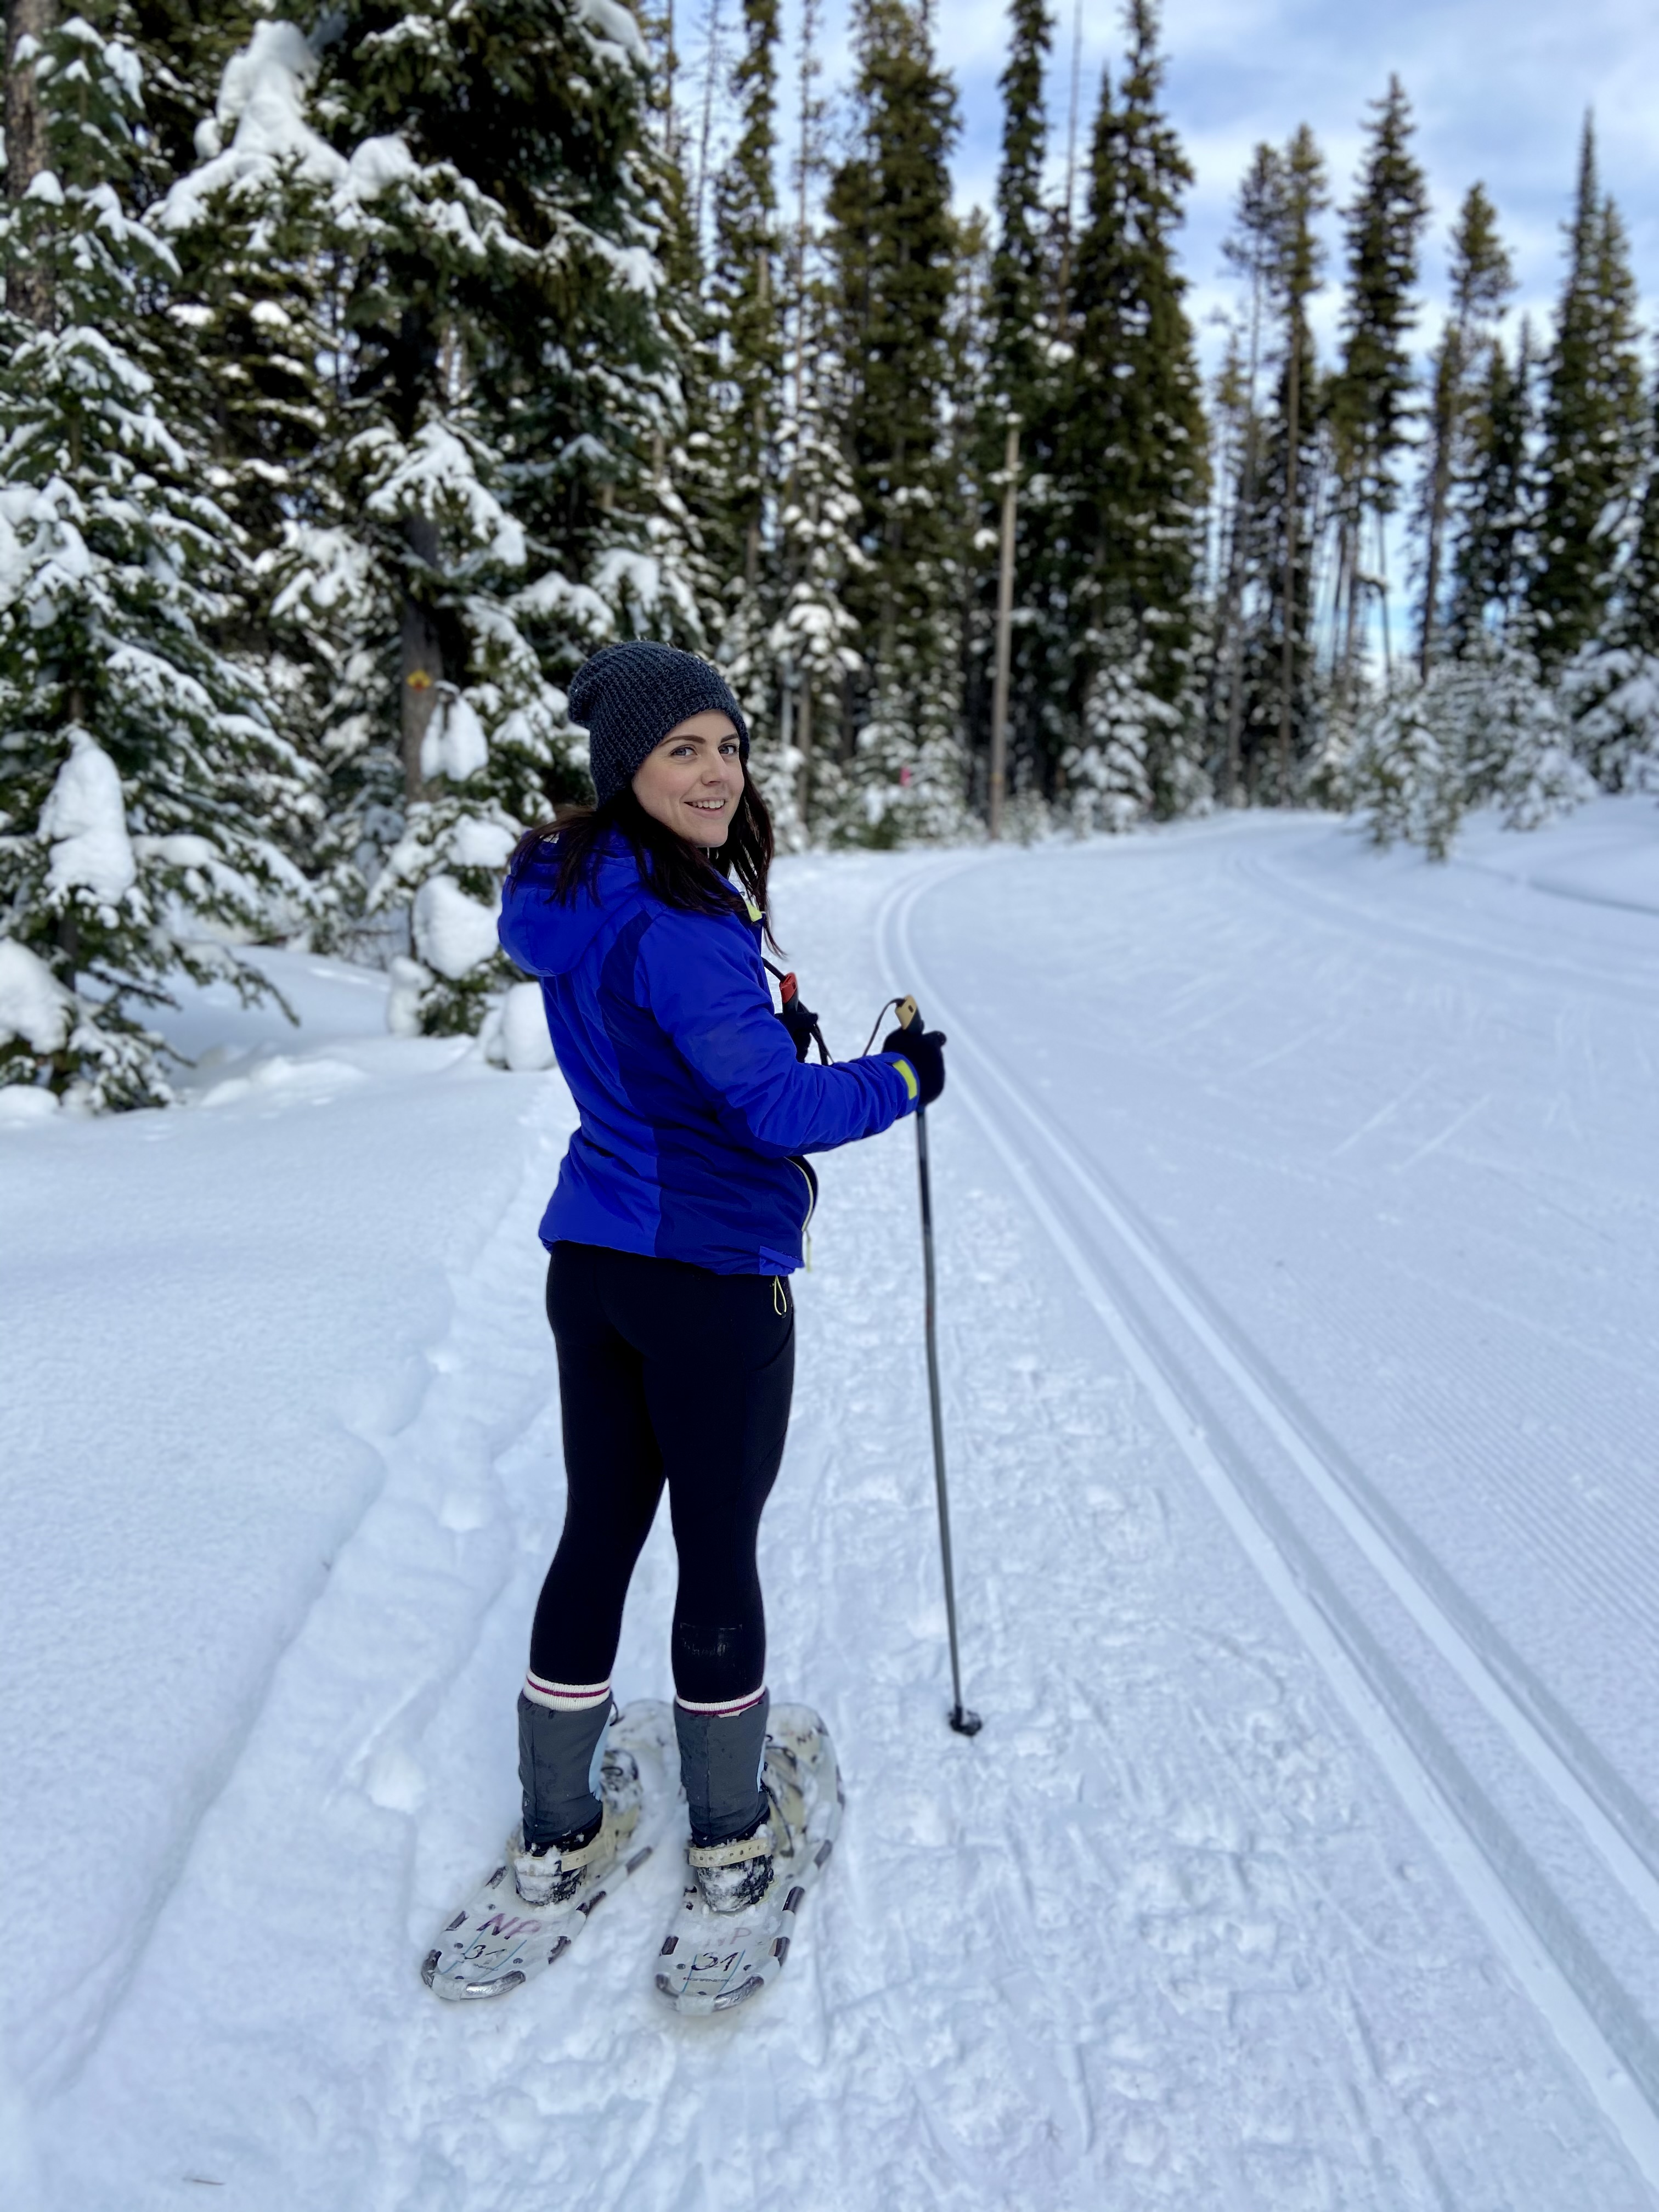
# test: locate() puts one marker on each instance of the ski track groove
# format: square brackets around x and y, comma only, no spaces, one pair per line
[1624,2085]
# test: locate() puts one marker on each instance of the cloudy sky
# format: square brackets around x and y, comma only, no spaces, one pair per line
[1499,89]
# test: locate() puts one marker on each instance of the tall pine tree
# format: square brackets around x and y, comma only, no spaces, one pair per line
[746,332]
[896,249]
[1132,457]
[1481,280]
[1370,399]
[1023,382]
[1593,427]
[143,792]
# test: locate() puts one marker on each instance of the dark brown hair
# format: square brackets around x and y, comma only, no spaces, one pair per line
[694,879]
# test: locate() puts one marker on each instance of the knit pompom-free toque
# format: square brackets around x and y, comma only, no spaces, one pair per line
[629,697]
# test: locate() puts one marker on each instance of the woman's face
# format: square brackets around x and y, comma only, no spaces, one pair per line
[692,782]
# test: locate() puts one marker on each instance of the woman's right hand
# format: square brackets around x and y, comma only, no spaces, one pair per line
[924,1050]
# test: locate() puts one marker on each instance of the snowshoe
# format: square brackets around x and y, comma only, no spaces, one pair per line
[533,1907]
[732,1933]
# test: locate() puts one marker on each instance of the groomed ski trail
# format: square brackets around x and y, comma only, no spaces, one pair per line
[1578,1994]
[1161,1937]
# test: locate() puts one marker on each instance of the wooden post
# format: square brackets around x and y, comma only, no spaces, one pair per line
[1004,632]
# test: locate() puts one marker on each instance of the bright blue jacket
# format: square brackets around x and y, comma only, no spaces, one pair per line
[695,1110]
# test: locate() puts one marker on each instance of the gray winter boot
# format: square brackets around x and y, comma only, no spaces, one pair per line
[561,1758]
[721,1761]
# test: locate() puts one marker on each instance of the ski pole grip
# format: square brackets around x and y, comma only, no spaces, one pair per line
[907,1013]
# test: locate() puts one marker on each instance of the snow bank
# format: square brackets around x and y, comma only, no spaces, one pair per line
[23,1106]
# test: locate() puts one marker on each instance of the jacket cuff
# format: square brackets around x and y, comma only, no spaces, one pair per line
[907,1075]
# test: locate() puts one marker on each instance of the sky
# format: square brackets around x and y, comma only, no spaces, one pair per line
[1499,89]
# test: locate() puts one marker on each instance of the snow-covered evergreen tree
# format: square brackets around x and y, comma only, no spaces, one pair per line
[1481,280]
[1594,426]
[1406,771]
[1485,729]
[813,643]
[895,250]
[1132,465]
[145,797]
[494,489]
[1126,725]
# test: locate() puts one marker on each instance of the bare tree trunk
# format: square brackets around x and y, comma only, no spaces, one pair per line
[29,291]
[1293,425]
[420,658]
[1063,281]
[751,544]
[1235,582]
[1005,635]
[804,743]
[1448,382]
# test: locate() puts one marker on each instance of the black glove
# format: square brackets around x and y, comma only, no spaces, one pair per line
[800,1020]
[924,1050]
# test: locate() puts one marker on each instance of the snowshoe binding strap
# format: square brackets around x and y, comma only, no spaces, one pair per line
[741,1848]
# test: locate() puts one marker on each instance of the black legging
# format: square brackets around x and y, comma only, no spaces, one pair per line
[665,1371]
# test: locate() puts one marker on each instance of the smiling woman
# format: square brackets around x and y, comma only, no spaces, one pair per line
[694,782]
[680,1215]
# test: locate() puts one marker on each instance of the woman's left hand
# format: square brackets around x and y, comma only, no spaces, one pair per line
[924,1050]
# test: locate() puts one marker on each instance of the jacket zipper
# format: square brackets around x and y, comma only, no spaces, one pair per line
[812,1208]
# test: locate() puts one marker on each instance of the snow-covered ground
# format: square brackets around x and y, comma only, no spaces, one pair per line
[1299,1294]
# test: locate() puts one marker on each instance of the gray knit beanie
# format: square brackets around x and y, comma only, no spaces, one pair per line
[629,696]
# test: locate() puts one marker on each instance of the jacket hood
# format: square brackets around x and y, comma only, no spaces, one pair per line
[544,938]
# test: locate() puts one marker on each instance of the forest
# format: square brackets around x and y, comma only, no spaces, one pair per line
[361,377]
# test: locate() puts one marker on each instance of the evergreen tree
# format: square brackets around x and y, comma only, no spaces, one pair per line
[1406,774]
[1279,718]
[1593,426]
[1485,729]
[1125,727]
[895,250]
[1249,251]
[143,789]
[814,640]
[1481,280]
[1132,457]
[494,491]
[1611,686]
[1022,380]
[1370,397]
[1493,503]
[746,332]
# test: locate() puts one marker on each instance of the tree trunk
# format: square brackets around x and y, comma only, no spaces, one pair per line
[421,659]
[29,291]
[804,743]
[1293,425]
[1447,385]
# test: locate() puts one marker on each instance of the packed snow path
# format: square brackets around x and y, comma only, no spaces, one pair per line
[1298,1292]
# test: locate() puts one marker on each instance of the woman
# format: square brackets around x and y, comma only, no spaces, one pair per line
[679,1215]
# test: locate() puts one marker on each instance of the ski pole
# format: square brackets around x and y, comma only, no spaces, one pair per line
[962,1720]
